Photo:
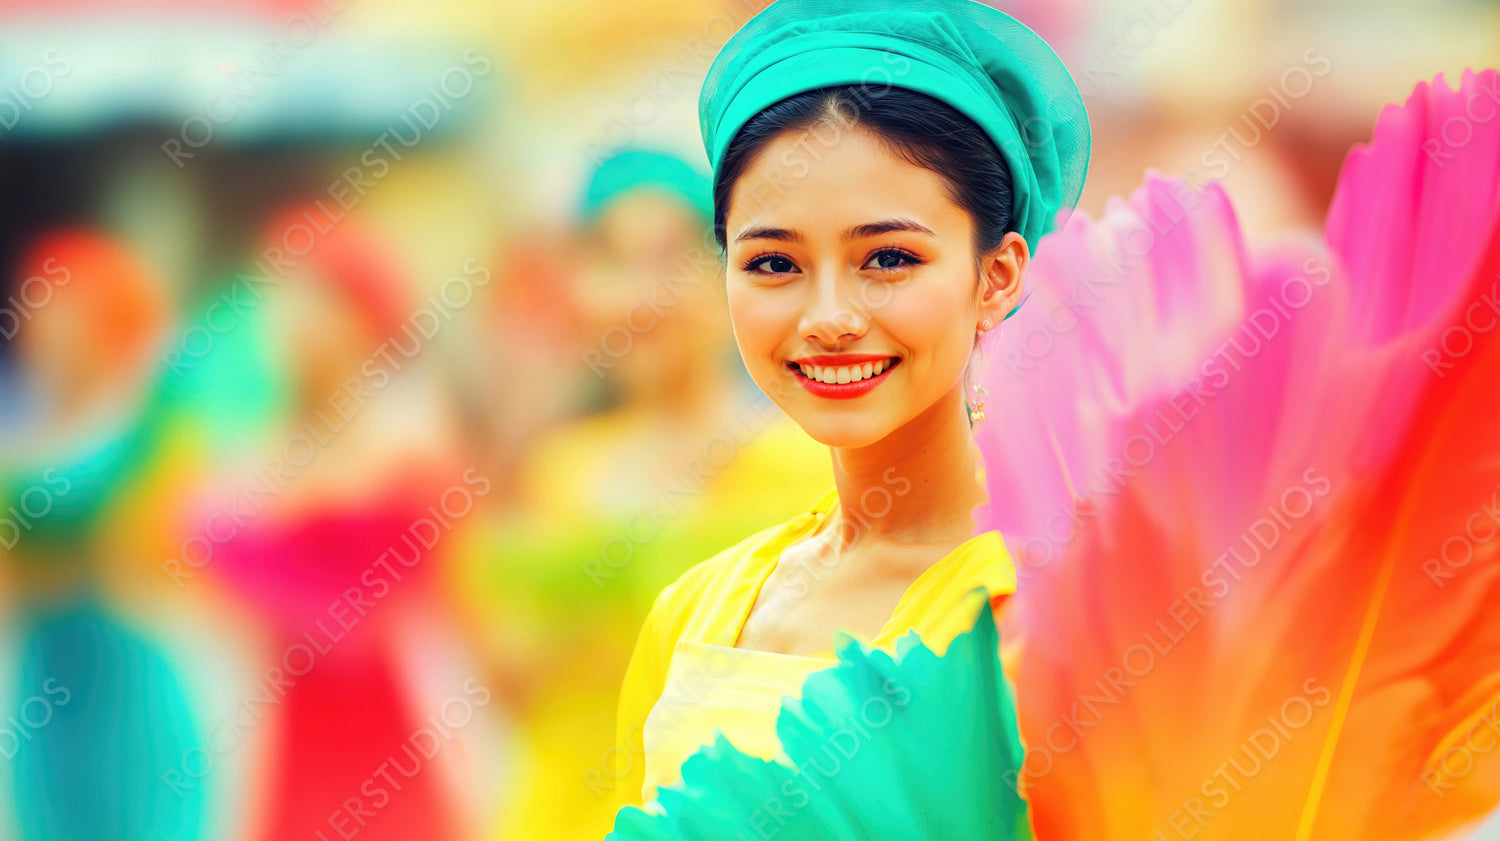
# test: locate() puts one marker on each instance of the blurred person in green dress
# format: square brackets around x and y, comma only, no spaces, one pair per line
[94,693]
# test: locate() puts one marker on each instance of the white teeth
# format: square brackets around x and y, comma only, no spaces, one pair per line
[848,374]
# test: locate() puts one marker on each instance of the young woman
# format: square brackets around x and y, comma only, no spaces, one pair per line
[881,178]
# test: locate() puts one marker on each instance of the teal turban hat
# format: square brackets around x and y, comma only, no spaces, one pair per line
[978,60]
[645,169]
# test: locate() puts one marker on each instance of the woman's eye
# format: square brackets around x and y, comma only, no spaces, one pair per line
[888,260]
[772,263]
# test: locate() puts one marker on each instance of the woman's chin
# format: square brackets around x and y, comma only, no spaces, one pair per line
[843,430]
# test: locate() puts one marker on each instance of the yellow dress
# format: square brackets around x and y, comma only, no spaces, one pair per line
[686,679]
[561,624]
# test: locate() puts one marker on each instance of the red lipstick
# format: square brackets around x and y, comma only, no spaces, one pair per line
[842,391]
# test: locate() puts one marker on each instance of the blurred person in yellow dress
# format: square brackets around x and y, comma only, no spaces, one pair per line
[688,456]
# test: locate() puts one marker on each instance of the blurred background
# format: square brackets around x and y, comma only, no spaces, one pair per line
[364,374]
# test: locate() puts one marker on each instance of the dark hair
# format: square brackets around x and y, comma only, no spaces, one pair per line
[916,127]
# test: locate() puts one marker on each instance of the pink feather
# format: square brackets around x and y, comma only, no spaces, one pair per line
[1284,406]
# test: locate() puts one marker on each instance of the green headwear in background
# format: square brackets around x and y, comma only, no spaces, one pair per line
[644,169]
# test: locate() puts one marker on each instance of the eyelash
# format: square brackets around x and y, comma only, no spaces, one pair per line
[753,263]
[911,259]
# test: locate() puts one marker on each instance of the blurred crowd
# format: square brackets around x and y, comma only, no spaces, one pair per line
[365,373]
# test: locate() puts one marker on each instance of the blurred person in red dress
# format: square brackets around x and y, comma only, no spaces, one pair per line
[331,537]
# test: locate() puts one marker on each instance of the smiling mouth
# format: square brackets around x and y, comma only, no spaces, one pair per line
[842,375]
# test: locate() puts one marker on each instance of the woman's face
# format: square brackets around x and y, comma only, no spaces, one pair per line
[650,292]
[853,265]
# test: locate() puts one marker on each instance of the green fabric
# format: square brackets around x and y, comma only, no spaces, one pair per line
[980,61]
[116,720]
[66,494]
[238,390]
[643,169]
[916,747]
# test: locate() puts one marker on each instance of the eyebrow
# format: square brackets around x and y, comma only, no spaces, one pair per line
[869,229]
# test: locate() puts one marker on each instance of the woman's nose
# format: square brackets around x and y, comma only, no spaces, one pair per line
[833,310]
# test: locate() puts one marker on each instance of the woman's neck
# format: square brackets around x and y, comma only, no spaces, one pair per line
[917,485]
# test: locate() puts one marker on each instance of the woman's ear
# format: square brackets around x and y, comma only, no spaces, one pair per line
[1002,278]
